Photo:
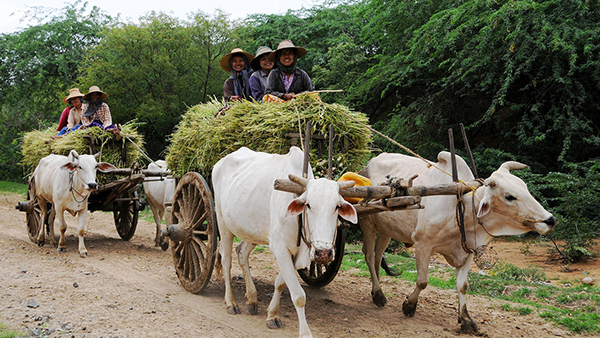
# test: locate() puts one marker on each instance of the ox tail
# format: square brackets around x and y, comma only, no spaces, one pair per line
[218,266]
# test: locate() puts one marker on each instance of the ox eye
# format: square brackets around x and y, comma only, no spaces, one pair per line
[510,197]
[79,167]
[308,206]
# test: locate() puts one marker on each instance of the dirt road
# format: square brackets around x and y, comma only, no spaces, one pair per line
[129,289]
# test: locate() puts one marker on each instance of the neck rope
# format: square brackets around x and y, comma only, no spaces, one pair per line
[72,189]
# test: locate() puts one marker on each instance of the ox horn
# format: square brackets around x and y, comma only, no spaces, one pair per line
[74,154]
[512,165]
[346,184]
[97,155]
[297,179]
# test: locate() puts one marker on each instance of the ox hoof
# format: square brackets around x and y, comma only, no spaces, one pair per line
[84,254]
[61,249]
[233,310]
[408,309]
[252,308]
[379,298]
[468,326]
[40,242]
[274,324]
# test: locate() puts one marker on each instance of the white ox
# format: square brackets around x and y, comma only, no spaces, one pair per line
[66,182]
[503,206]
[249,208]
[159,193]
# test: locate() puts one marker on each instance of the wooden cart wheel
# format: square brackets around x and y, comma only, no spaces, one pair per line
[125,213]
[319,275]
[34,213]
[193,212]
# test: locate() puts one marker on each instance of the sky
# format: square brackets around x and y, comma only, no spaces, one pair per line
[12,11]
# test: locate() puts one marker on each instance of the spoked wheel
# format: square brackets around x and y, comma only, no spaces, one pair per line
[195,223]
[125,212]
[319,275]
[34,213]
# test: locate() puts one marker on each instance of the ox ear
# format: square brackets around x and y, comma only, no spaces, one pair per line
[486,204]
[69,166]
[74,154]
[347,211]
[296,206]
[105,167]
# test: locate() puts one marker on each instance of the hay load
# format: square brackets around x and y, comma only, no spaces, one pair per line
[35,147]
[201,139]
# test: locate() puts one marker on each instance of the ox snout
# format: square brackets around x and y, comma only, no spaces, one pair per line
[92,186]
[551,222]
[324,256]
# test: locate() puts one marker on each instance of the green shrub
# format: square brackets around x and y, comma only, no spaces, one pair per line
[508,271]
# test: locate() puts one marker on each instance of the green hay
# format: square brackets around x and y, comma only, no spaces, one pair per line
[35,147]
[201,139]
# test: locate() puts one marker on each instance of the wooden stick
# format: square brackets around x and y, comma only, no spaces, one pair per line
[330,156]
[145,172]
[468,148]
[403,202]
[327,91]
[384,191]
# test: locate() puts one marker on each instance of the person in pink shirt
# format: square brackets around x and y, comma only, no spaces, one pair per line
[72,120]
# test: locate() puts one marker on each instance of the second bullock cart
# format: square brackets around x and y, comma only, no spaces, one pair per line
[119,196]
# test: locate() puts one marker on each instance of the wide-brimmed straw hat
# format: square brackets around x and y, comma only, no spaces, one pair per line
[287,44]
[72,94]
[95,89]
[225,60]
[255,64]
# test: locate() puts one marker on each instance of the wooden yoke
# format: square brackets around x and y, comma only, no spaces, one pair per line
[378,192]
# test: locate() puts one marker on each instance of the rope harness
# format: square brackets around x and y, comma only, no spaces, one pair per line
[72,189]
[304,232]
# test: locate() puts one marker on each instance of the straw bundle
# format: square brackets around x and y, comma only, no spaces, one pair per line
[35,147]
[201,139]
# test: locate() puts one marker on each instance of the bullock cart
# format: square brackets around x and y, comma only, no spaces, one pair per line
[119,196]
[194,229]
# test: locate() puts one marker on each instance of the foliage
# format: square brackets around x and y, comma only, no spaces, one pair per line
[508,271]
[201,139]
[522,75]
[155,69]
[38,65]
[573,197]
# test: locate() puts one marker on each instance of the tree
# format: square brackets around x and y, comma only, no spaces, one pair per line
[523,76]
[155,69]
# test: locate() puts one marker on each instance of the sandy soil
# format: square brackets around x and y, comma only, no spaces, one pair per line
[129,289]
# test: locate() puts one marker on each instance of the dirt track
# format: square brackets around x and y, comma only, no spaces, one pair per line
[129,289]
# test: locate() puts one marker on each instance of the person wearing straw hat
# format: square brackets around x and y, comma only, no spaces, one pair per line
[96,112]
[237,86]
[261,66]
[287,80]
[73,119]
[64,116]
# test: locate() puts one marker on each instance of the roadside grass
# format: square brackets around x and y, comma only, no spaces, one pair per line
[5,332]
[524,291]
[14,188]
